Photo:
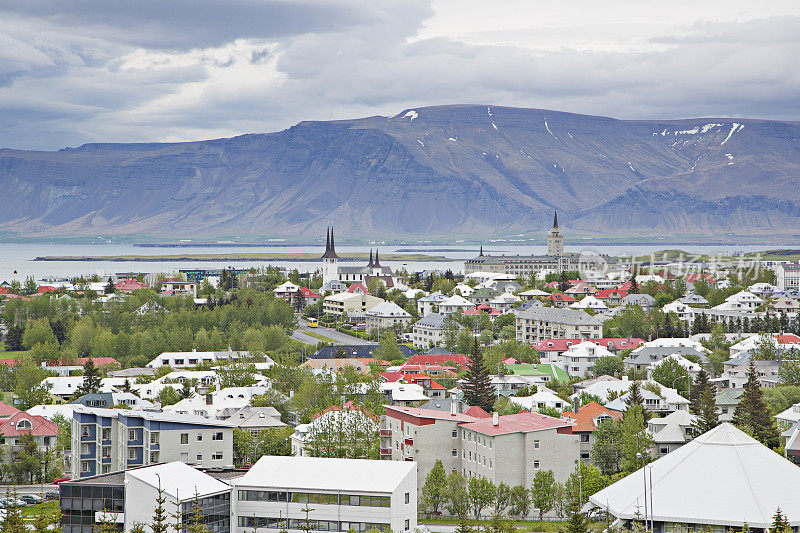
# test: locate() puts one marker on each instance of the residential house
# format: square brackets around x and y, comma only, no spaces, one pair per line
[542,398]
[404,394]
[726,401]
[581,288]
[667,400]
[560,300]
[114,399]
[428,331]
[337,364]
[589,302]
[786,304]
[430,303]
[532,294]
[386,315]
[586,420]
[578,359]
[354,351]
[454,304]
[179,287]
[483,296]
[194,358]
[349,415]
[352,304]
[256,419]
[645,301]
[504,302]
[641,358]
[219,404]
[552,347]
[14,428]
[539,323]
[611,297]
[693,300]
[671,432]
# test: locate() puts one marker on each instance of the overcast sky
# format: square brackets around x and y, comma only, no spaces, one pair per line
[76,71]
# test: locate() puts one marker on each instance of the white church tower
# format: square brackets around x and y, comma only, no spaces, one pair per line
[330,270]
[555,242]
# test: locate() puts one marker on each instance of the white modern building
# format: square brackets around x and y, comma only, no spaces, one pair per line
[343,495]
[194,358]
[579,358]
[539,323]
[386,315]
[787,277]
[428,331]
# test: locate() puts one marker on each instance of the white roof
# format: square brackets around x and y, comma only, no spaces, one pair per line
[506,297]
[465,290]
[589,302]
[404,392]
[388,309]
[790,415]
[49,411]
[586,349]
[532,292]
[670,342]
[66,385]
[744,296]
[320,473]
[456,301]
[179,480]
[543,395]
[228,398]
[286,286]
[723,477]
[682,361]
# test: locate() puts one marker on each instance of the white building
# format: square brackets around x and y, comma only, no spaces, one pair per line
[722,479]
[589,302]
[430,303]
[219,404]
[344,495]
[455,304]
[428,331]
[787,277]
[194,358]
[540,323]
[543,397]
[504,302]
[386,315]
[671,432]
[352,304]
[579,358]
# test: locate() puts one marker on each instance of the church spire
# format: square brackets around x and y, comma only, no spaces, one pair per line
[555,219]
[370,264]
[330,252]
[481,254]
[377,263]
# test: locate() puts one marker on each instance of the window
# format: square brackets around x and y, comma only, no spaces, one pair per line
[407,525]
[455,433]
[536,445]
[154,438]
[199,437]
[106,451]
[106,433]
[24,424]
[663,450]
[153,457]
[216,456]
[585,437]
[408,497]
[85,431]
[454,453]
[132,453]
[106,469]
[85,466]
[199,457]
[84,449]
[216,436]
[131,434]
[184,438]
[536,465]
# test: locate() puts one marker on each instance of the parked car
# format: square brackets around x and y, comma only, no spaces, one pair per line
[361,326]
[31,499]
[52,495]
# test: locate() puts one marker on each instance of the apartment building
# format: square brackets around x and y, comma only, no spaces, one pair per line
[540,323]
[353,304]
[343,495]
[428,331]
[508,449]
[787,277]
[107,440]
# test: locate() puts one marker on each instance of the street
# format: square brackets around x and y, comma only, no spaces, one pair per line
[36,490]
[335,337]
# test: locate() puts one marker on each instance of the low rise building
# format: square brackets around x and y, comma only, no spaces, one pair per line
[671,432]
[428,331]
[386,315]
[194,358]
[107,440]
[586,419]
[539,323]
[352,304]
[787,277]
[343,495]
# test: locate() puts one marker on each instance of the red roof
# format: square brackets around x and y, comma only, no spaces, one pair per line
[695,276]
[415,378]
[356,286]
[308,293]
[610,293]
[587,414]
[431,414]
[787,339]
[3,290]
[98,361]
[391,377]
[523,422]
[9,362]
[558,297]
[46,288]
[560,345]
[130,285]
[437,359]
[7,410]
[477,412]
[41,427]
[625,286]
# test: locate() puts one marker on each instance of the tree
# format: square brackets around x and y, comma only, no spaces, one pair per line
[780,524]
[669,372]
[481,494]
[347,433]
[168,396]
[38,332]
[502,498]
[29,384]
[635,399]
[699,386]
[159,522]
[607,448]
[478,389]
[14,336]
[388,349]
[563,282]
[707,412]
[12,521]
[520,501]
[196,520]
[543,492]
[753,415]
[789,370]
[576,520]
[28,462]
[584,481]
[458,495]
[635,438]
[610,365]
[91,379]
[434,491]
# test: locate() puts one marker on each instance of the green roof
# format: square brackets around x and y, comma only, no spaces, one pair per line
[553,371]
[729,397]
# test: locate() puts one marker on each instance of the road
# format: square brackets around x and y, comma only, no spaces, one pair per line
[336,337]
[27,489]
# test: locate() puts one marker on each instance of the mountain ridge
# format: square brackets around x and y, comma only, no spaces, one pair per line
[428,171]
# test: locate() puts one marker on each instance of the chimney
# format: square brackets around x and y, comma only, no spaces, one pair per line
[495,419]
[575,405]
[453,408]
[209,399]
[624,378]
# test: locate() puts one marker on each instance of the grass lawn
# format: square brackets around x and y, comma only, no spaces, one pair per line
[521,525]
[317,336]
[29,512]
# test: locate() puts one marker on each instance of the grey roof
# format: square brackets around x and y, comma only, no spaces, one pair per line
[634,299]
[729,397]
[153,415]
[442,404]
[560,316]
[132,372]
[692,298]
[256,417]
[653,354]
[431,320]
[438,351]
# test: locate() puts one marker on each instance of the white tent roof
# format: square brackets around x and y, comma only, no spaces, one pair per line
[723,477]
[179,480]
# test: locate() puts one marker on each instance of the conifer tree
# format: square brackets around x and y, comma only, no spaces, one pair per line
[478,389]
[780,524]
[708,412]
[635,398]
[91,379]
[699,386]
[576,520]
[159,523]
[753,415]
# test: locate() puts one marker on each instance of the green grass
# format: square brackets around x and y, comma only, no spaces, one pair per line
[317,336]
[30,512]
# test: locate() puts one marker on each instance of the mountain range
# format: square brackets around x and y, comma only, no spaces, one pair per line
[468,170]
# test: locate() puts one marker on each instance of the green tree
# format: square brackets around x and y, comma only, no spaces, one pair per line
[27,464]
[543,492]
[780,524]
[668,372]
[38,332]
[607,448]
[478,389]
[388,350]
[502,499]
[29,384]
[481,494]
[458,503]
[159,521]
[91,379]
[635,399]
[576,520]
[635,438]
[609,365]
[584,481]
[753,415]
[699,386]
[707,412]
[168,396]
[520,501]
[434,491]
[14,338]
[196,520]
[12,521]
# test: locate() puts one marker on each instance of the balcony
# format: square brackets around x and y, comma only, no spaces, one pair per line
[386,451]
[386,433]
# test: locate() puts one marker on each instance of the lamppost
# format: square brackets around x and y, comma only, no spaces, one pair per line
[644,482]
[688,382]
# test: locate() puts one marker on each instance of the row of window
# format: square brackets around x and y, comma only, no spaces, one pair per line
[311,497]
[214,436]
[317,525]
